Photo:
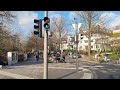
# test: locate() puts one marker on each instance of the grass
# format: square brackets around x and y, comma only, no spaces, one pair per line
[114,56]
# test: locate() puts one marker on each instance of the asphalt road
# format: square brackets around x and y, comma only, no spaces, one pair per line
[106,72]
[101,71]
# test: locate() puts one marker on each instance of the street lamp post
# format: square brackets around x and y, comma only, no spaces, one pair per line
[76,27]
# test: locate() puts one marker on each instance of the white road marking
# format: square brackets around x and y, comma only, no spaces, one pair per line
[16,76]
[97,66]
[92,66]
[116,69]
[87,75]
[59,67]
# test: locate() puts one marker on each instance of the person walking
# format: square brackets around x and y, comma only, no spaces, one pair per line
[37,56]
[63,55]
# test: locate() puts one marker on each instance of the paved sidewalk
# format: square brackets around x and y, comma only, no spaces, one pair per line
[34,70]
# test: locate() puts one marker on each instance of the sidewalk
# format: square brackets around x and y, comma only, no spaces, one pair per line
[86,58]
[34,70]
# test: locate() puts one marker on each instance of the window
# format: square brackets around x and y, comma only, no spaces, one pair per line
[91,46]
[96,46]
[86,47]
[86,41]
[91,40]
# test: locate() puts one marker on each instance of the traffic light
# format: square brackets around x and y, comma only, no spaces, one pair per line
[81,36]
[46,23]
[38,27]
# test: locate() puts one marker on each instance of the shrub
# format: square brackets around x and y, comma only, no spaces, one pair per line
[93,52]
[3,60]
[114,56]
[68,51]
[83,52]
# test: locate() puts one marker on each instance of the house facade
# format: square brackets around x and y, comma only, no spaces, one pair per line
[99,42]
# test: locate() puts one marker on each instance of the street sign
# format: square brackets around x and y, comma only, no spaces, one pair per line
[73,26]
[79,25]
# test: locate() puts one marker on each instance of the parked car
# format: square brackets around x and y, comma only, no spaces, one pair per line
[74,56]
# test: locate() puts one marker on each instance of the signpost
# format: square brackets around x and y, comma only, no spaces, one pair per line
[76,26]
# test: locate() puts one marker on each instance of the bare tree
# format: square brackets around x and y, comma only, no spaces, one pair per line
[8,39]
[6,15]
[89,20]
[59,29]
[32,41]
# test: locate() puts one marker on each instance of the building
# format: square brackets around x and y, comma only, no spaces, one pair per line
[116,31]
[99,41]
[68,43]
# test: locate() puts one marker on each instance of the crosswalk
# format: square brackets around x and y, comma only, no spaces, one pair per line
[96,66]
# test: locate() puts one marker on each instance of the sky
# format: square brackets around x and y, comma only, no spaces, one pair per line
[24,21]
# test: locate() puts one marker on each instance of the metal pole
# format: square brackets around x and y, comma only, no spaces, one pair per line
[76,27]
[36,44]
[45,74]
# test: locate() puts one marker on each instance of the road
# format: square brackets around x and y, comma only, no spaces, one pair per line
[101,71]
[32,69]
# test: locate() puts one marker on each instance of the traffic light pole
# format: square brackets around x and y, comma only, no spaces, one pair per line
[45,74]
[36,44]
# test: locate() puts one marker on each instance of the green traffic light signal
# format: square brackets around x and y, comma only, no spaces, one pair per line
[46,26]
[46,23]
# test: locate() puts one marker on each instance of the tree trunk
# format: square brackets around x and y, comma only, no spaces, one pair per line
[89,45]
[89,33]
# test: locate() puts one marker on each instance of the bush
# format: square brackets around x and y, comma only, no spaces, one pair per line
[3,60]
[68,51]
[93,52]
[83,52]
[114,56]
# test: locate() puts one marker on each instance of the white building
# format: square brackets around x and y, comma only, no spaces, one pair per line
[116,31]
[98,42]
[68,43]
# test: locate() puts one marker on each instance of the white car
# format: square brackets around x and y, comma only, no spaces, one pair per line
[74,56]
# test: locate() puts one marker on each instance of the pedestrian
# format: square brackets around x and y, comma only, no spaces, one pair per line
[37,56]
[34,56]
[63,55]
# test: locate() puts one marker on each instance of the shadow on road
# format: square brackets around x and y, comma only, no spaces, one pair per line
[68,74]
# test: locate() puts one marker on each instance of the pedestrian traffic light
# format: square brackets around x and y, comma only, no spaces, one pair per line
[46,23]
[38,27]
